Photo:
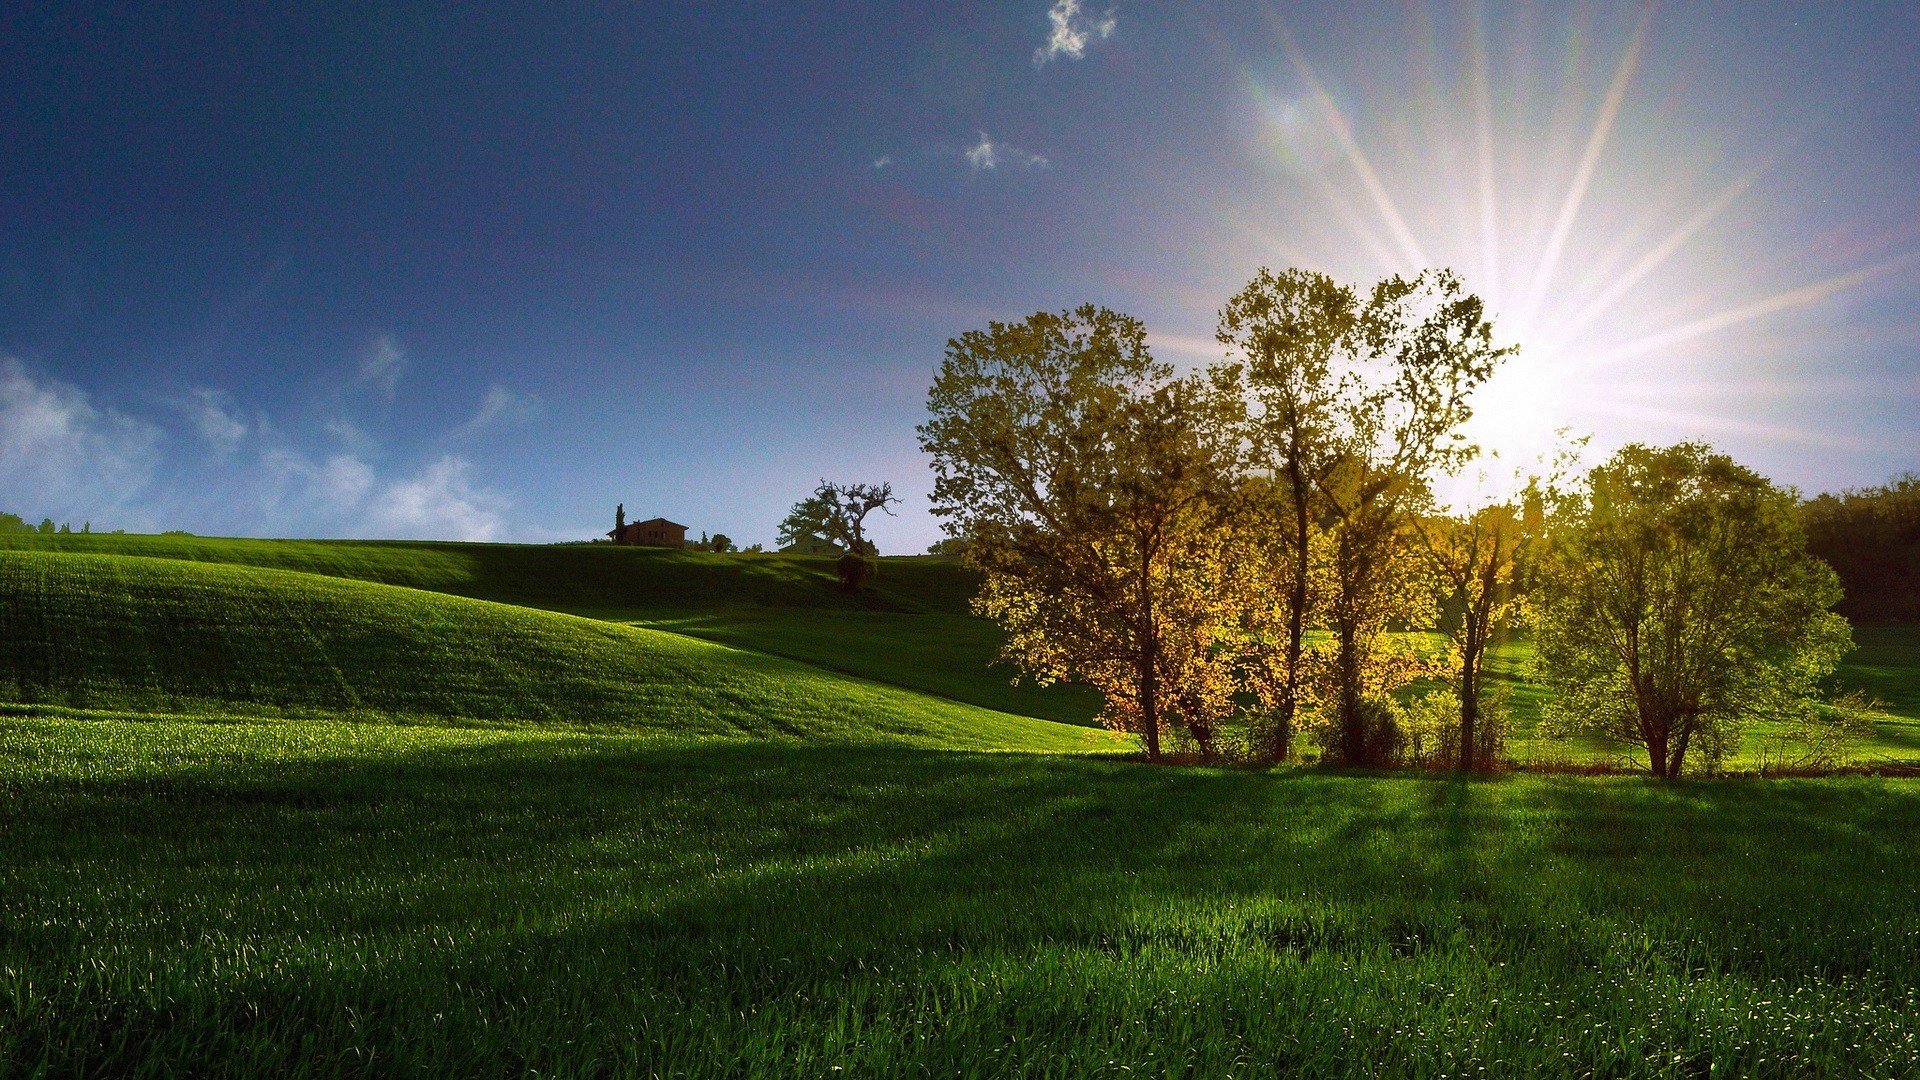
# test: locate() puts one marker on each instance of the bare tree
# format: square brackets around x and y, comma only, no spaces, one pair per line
[838,512]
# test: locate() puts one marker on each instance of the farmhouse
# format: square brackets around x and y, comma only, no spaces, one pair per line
[653,532]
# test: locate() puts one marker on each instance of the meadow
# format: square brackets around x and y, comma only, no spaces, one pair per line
[262,810]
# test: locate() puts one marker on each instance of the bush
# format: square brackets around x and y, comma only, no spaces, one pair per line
[1431,727]
[1383,735]
[855,571]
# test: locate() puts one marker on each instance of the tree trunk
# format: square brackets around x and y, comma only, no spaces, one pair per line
[1469,702]
[1680,750]
[1657,753]
[1296,613]
[1353,731]
[1150,704]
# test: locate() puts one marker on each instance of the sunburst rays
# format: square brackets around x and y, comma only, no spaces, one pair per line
[1664,285]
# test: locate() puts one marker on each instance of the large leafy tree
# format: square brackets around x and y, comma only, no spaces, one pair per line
[1413,353]
[1284,333]
[1088,482]
[1473,559]
[1678,601]
[838,512]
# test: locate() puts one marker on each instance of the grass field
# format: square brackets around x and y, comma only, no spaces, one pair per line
[335,898]
[911,629]
[134,634]
[341,809]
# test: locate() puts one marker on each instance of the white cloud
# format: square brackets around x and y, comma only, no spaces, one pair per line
[1071,30]
[214,416]
[883,161]
[983,154]
[987,155]
[382,364]
[333,488]
[62,455]
[500,406]
[440,501]
[66,456]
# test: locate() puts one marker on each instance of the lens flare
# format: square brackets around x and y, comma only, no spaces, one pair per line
[1640,266]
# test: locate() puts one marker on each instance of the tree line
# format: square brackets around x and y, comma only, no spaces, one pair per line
[1235,557]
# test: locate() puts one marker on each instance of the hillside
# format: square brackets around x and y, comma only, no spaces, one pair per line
[911,628]
[128,633]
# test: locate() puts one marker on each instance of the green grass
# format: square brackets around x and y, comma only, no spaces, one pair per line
[335,898]
[134,634]
[313,808]
[911,628]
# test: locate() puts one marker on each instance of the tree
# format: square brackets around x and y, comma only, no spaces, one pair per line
[1284,331]
[1871,538]
[1087,480]
[1473,558]
[14,523]
[721,543]
[838,512]
[1677,601]
[1413,352]
[46,526]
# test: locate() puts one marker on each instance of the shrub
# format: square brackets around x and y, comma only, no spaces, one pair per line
[855,571]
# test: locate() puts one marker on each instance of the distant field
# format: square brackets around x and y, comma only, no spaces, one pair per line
[911,628]
[140,635]
[332,898]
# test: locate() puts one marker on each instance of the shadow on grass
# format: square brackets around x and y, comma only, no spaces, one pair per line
[623,889]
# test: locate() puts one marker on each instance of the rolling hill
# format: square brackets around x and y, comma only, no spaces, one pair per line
[135,634]
[911,628]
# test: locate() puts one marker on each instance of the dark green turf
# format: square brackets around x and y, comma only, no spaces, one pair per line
[330,898]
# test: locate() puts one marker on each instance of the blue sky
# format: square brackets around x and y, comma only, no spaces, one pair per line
[480,271]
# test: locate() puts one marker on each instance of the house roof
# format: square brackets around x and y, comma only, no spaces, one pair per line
[659,521]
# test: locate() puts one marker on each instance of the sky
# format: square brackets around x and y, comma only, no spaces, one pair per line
[481,271]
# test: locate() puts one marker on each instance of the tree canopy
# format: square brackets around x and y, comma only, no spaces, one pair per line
[1677,602]
[838,512]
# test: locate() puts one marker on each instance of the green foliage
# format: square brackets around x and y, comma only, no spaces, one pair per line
[1871,538]
[1089,482]
[1678,603]
[14,523]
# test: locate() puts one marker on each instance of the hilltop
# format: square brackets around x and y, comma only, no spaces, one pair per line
[134,634]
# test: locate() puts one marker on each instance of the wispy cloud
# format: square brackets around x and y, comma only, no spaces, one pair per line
[883,161]
[382,364]
[987,155]
[442,500]
[214,416]
[61,454]
[1071,30]
[500,407]
[299,485]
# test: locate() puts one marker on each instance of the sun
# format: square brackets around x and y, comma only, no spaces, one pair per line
[1608,253]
